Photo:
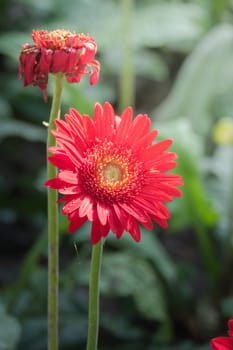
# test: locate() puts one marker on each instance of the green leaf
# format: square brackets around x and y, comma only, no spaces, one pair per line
[149,248]
[22,129]
[124,274]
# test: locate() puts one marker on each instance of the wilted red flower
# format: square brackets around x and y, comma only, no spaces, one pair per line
[224,343]
[58,51]
[111,173]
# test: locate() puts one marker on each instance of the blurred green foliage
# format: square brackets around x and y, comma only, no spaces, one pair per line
[174,290]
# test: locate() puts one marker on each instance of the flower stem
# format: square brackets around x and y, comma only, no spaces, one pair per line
[126,78]
[93,315]
[53,226]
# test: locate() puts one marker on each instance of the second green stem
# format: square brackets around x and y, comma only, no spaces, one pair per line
[93,316]
[126,78]
[53,225]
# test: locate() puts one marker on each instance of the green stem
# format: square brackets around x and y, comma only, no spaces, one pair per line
[126,78]
[53,226]
[93,315]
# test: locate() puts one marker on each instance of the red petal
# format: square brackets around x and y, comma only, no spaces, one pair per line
[42,68]
[166,188]
[165,157]
[146,140]
[148,225]
[73,154]
[147,208]
[121,215]
[29,60]
[74,78]
[171,179]
[155,195]
[125,122]
[98,120]
[152,208]
[75,121]
[230,326]
[108,122]
[222,343]
[55,183]
[71,190]
[59,61]
[119,232]
[102,211]
[72,60]
[160,163]
[162,211]
[155,150]
[89,127]
[61,137]
[139,127]
[114,224]
[85,206]
[63,128]
[94,77]
[68,176]
[62,161]
[133,229]
[95,232]
[134,211]
[104,230]
[104,119]
[76,224]
[166,166]
[72,205]
[161,222]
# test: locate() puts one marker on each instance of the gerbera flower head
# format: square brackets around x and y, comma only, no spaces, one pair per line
[224,343]
[58,51]
[111,173]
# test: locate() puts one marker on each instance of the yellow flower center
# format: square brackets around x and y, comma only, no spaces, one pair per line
[111,173]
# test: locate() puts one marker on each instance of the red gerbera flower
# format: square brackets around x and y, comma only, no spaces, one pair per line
[224,343]
[111,173]
[58,51]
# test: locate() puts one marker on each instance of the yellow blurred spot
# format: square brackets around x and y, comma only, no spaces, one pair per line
[223,131]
